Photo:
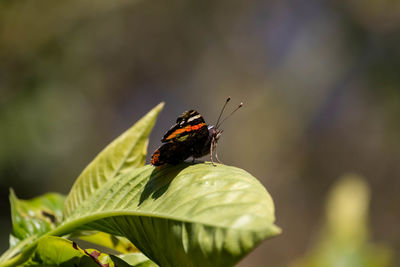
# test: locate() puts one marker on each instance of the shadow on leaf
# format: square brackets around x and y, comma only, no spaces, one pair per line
[160,179]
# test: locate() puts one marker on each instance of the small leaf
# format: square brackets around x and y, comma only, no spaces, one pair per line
[184,215]
[56,251]
[117,243]
[125,152]
[35,216]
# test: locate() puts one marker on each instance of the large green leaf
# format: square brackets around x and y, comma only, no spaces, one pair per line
[184,215]
[125,152]
[35,216]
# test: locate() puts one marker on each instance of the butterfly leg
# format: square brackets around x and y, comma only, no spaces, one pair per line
[211,156]
[216,154]
[212,147]
[211,153]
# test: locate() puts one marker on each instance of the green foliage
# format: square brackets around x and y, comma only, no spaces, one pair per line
[36,216]
[183,215]
[57,251]
[125,153]
[137,259]
[116,243]
[198,215]
[344,240]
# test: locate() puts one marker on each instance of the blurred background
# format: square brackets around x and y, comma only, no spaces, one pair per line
[319,80]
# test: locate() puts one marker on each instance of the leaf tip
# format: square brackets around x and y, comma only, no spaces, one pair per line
[276,230]
[12,194]
[153,113]
[160,106]
[11,191]
[272,230]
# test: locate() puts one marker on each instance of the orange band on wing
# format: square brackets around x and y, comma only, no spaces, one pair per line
[188,128]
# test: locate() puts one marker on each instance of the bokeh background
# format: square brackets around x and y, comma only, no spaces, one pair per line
[319,80]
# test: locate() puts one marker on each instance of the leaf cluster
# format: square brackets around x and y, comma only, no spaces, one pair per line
[183,215]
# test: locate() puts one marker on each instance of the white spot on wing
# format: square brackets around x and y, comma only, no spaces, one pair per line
[194,118]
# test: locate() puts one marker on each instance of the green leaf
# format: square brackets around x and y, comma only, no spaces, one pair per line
[125,152]
[57,251]
[184,215]
[35,216]
[344,239]
[137,259]
[117,243]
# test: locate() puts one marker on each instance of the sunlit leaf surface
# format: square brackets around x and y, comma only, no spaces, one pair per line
[184,215]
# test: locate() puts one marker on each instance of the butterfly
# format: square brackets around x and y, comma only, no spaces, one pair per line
[190,137]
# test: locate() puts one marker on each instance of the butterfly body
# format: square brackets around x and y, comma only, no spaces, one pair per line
[189,137]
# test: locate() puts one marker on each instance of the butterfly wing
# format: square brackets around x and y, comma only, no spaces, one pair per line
[181,141]
[171,153]
[186,124]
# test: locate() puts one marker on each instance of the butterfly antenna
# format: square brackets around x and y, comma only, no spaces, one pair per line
[222,111]
[240,105]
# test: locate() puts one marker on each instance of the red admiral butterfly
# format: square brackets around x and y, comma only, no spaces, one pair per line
[190,137]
